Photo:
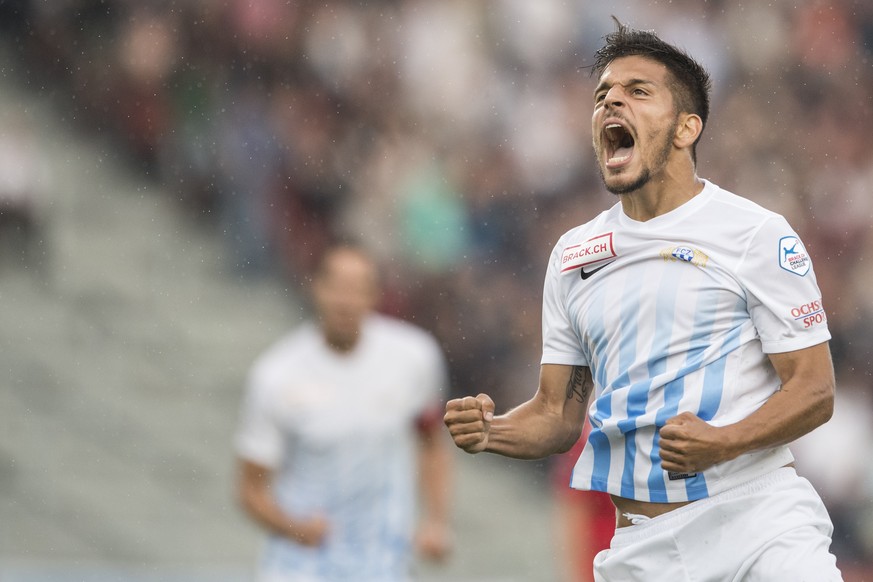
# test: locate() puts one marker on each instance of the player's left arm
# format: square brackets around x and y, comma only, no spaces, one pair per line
[804,401]
[435,480]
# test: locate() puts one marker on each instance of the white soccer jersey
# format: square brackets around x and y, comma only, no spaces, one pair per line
[677,314]
[340,432]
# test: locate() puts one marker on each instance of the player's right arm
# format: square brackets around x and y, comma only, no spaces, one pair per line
[256,497]
[550,422]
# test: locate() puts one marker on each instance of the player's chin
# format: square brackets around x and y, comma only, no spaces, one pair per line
[621,184]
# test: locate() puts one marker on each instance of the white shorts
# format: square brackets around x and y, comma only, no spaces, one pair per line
[772,529]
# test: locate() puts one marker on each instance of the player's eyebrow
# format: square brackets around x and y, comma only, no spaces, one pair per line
[630,83]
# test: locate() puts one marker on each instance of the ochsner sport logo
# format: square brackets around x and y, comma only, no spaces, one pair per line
[810,314]
[792,255]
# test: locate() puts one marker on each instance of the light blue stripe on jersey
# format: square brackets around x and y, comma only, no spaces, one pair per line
[638,397]
[673,391]
[630,309]
[705,313]
[657,365]
[638,394]
[603,403]
[713,378]
[713,381]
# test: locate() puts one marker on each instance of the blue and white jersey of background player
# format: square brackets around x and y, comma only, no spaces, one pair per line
[340,431]
[677,314]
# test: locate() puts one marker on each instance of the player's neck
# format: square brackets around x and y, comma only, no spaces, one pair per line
[662,194]
[341,344]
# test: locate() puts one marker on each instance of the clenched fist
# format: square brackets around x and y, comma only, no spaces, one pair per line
[469,421]
[688,444]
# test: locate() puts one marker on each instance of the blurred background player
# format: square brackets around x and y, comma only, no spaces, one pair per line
[340,418]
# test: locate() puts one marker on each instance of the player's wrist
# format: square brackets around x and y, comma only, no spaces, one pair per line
[733,442]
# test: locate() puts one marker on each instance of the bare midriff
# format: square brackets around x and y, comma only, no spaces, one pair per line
[649,509]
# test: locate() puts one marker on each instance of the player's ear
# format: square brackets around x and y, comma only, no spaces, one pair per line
[688,128]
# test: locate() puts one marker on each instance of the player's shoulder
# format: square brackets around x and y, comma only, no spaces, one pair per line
[604,222]
[740,224]
[728,206]
[291,347]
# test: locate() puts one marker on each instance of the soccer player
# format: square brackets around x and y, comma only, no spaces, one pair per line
[341,419]
[693,317]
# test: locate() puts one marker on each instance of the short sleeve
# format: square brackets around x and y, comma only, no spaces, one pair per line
[423,382]
[435,376]
[258,438]
[561,344]
[784,299]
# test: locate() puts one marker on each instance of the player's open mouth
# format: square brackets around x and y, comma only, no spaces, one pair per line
[619,144]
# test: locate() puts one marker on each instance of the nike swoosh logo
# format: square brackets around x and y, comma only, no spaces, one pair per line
[592,271]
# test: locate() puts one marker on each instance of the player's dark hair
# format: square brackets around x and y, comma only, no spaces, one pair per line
[691,83]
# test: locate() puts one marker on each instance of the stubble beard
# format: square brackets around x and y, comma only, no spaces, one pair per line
[645,175]
[643,179]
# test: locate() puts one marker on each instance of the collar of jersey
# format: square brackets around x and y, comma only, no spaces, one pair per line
[676,215]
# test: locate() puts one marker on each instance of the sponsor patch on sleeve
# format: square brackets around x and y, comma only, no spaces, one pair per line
[809,314]
[792,255]
[594,250]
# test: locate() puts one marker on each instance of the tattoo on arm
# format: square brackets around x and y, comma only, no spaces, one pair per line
[577,388]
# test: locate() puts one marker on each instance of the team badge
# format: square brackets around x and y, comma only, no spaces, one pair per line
[792,256]
[685,254]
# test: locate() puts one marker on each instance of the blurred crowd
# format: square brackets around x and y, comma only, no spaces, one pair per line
[453,139]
